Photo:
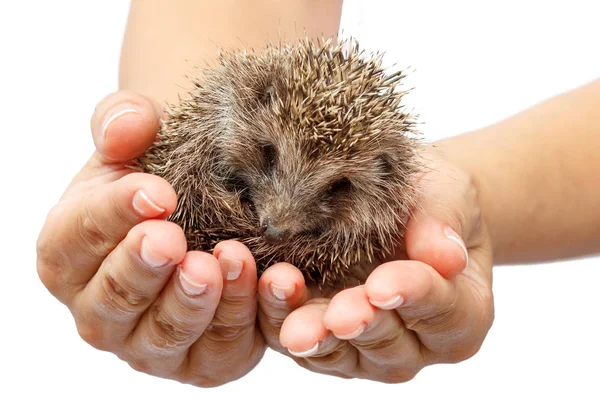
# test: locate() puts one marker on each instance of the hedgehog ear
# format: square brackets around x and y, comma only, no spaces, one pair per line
[267,96]
[385,164]
[342,185]
[269,154]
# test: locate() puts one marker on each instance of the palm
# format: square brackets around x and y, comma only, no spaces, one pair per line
[426,306]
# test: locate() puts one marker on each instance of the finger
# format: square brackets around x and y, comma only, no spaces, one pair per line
[281,289]
[159,345]
[80,233]
[308,340]
[434,242]
[303,331]
[445,316]
[129,280]
[124,125]
[387,350]
[447,215]
[232,335]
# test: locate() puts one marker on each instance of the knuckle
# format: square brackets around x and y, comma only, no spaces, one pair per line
[48,274]
[473,200]
[486,314]
[306,364]
[398,375]
[121,299]
[234,320]
[169,332]
[44,247]
[206,381]
[142,366]
[92,335]
[485,298]
[270,328]
[462,354]
[55,280]
[222,332]
[269,321]
[52,255]
[332,359]
[48,255]
[443,320]
[482,302]
[475,203]
[237,304]
[466,195]
[216,371]
[95,240]
[384,345]
[52,276]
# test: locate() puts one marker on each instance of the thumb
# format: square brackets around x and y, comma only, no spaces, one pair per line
[124,125]
[433,241]
[446,222]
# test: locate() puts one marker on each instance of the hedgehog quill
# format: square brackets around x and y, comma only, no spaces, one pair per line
[302,152]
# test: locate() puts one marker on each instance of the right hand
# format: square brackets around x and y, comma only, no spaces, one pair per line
[430,303]
[108,254]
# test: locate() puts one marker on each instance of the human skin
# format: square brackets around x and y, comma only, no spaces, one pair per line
[538,169]
[106,250]
[464,192]
[446,304]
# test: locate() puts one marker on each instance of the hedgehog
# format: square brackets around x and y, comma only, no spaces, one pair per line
[303,151]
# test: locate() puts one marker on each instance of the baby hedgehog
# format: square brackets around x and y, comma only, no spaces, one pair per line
[302,152]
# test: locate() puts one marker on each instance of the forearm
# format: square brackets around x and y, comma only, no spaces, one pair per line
[165,41]
[538,175]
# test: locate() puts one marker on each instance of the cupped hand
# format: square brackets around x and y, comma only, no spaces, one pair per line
[107,252]
[431,304]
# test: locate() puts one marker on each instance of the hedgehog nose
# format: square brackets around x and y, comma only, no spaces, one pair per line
[273,234]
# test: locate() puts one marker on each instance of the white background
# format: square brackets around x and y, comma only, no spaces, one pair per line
[476,62]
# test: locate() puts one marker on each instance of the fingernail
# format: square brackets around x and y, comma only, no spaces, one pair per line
[354,334]
[452,235]
[282,292]
[306,353]
[389,304]
[189,286]
[144,206]
[233,267]
[151,258]
[114,114]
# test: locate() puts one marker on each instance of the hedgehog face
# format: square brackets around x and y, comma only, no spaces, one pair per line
[296,188]
[290,158]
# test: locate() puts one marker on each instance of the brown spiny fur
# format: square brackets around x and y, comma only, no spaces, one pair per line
[311,136]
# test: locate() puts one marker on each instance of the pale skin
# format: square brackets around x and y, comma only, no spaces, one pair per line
[134,289]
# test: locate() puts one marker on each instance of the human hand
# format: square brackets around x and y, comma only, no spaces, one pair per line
[432,304]
[125,274]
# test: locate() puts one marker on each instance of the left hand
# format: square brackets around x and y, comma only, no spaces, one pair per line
[432,304]
[125,274]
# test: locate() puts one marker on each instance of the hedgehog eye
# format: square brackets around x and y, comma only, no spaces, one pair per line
[267,96]
[236,184]
[269,155]
[341,186]
[316,231]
